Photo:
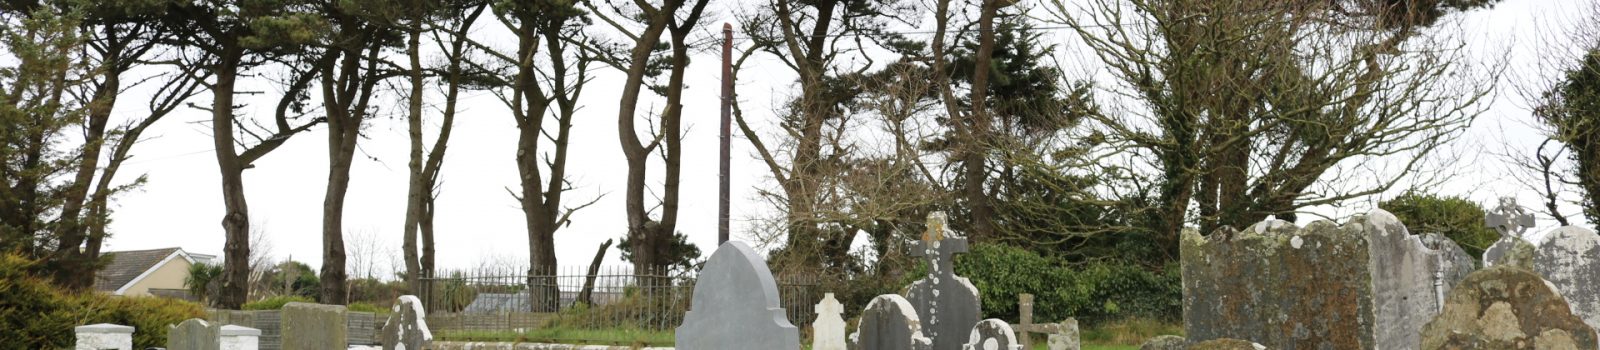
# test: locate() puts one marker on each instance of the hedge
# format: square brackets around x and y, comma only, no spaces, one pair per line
[34,314]
[1092,293]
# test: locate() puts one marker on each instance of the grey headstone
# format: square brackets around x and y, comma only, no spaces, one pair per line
[1279,285]
[947,304]
[889,323]
[1509,251]
[1164,342]
[735,305]
[407,327]
[308,326]
[194,334]
[1506,307]
[1066,336]
[103,336]
[1410,277]
[1569,258]
[992,334]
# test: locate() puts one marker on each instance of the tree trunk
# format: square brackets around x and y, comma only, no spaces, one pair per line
[976,147]
[586,294]
[236,218]
[76,270]
[414,187]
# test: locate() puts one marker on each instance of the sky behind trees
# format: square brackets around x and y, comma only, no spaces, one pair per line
[479,222]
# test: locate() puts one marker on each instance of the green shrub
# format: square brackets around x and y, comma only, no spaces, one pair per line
[1092,293]
[36,315]
[367,307]
[149,316]
[275,303]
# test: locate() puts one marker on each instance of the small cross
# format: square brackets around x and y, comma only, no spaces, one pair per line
[1509,219]
[940,246]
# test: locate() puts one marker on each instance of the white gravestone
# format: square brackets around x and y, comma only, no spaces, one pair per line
[828,329]
[240,338]
[104,336]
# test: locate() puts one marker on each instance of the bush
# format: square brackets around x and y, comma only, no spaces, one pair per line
[367,307]
[1092,293]
[36,315]
[274,303]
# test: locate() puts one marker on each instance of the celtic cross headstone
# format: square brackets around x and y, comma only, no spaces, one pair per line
[946,303]
[1511,221]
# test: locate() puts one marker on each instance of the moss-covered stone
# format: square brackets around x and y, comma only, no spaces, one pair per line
[1226,344]
[1506,307]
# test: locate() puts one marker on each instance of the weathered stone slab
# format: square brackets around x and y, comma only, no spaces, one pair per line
[827,332]
[194,334]
[1410,277]
[1229,344]
[1569,258]
[735,305]
[407,327]
[103,336]
[947,304]
[1279,285]
[1506,307]
[889,323]
[992,334]
[308,326]
[1066,336]
[1509,251]
[240,338]
[1164,342]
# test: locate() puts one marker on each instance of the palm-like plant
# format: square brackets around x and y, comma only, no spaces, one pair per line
[200,280]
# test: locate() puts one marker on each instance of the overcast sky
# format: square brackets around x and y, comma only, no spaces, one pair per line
[479,222]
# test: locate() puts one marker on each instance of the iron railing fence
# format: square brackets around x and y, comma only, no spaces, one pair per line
[486,303]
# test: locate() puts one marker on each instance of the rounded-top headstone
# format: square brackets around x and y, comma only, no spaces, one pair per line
[1164,342]
[736,305]
[1506,307]
[1569,258]
[890,323]
[992,334]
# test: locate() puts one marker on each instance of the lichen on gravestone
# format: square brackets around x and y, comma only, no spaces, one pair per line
[1506,307]
[890,323]
[1569,258]
[947,304]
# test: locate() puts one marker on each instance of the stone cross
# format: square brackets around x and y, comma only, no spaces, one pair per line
[1063,336]
[1509,219]
[828,329]
[947,304]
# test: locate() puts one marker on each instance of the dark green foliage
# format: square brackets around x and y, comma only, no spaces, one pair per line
[1572,110]
[1457,218]
[203,281]
[275,303]
[36,315]
[680,252]
[1092,293]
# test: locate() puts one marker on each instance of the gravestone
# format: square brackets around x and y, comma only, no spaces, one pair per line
[992,334]
[1410,277]
[890,323]
[103,336]
[946,303]
[735,305]
[827,332]
[1506,307]
[1511,221]
[240,338]
[194,334]
[1569,258]
[308,326]
[1164,342]
[1280,285]
[1228,344]
[1061,336]
[407,327]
